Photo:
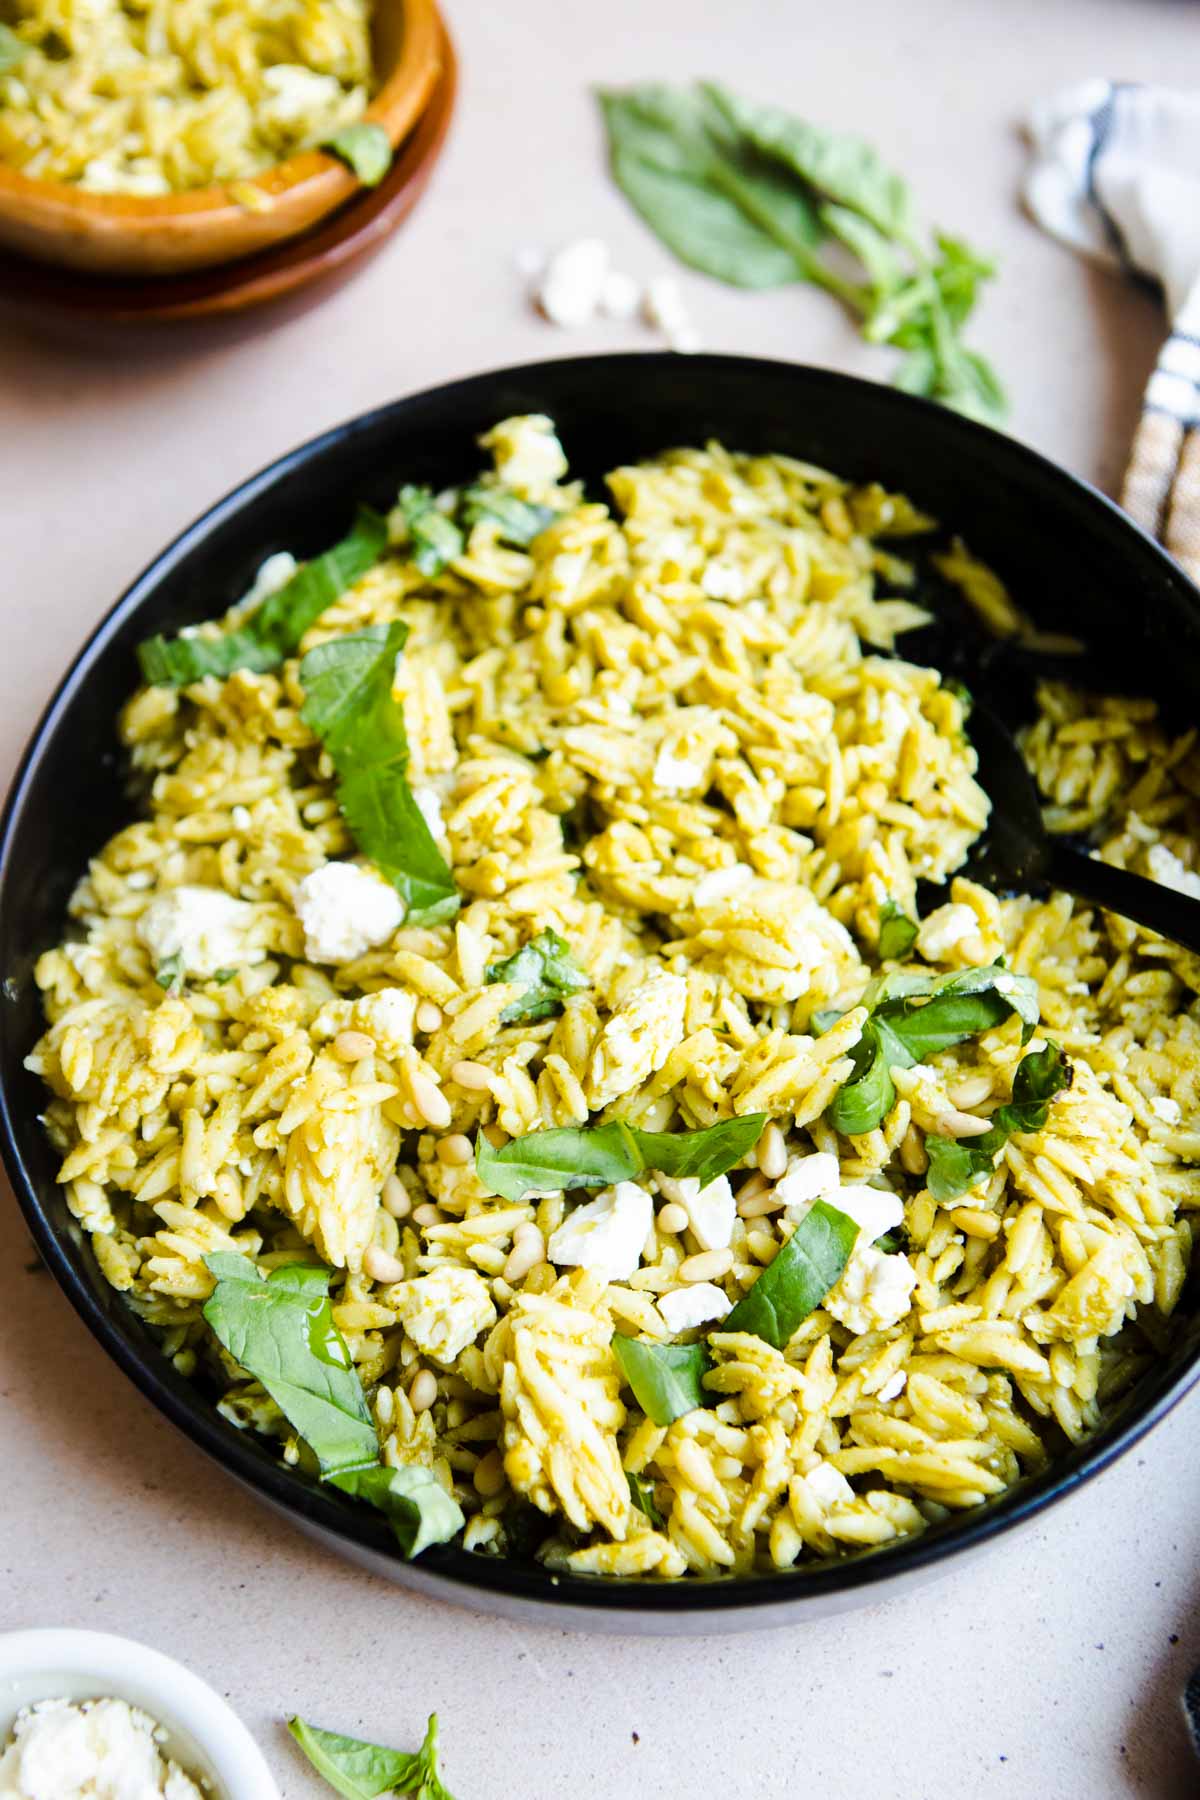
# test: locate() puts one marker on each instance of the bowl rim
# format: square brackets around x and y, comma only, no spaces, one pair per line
[416,70]
[188,1702]
[450,1571]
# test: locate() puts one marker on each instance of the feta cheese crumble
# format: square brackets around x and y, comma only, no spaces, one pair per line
[444,1311]
[944,930]
[711,1210]
[874,1291]
[1166,1109]
[94,1750]
[346,910]
[807,1178]
[829,1486]
[205,927]
[875,1288]
[698,1304]
[429,805]
[1166,868]
[677,774]
[572,284]
[666,308]
[605,1235]
[388,1015]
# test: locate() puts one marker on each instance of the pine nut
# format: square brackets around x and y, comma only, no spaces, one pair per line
[707,1265]
[772,1152]
[972,1092]
[429,1100]
[489,1477]
[429,1016]
[528,1232]
[912,1152]
[352,1046]
[758,1205]
[961,1124]
[471,1075]
[529,1247]
[673,1218]
[396,1198]
[382,1267]
[751,1189]
[422,1391]
[429,1214]
[455,1151]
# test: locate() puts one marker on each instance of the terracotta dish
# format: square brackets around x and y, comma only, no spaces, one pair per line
[121,234]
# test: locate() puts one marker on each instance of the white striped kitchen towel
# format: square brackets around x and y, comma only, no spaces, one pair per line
[1116,174]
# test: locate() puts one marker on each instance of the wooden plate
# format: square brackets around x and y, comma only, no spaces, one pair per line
[353,233]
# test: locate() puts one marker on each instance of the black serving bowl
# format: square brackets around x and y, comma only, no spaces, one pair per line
[1074,562]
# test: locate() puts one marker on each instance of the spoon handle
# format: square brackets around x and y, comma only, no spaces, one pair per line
[1173,915]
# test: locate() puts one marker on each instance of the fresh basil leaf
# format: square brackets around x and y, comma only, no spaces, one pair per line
[642,1494]
[956,1164]
[546,967]
[281,1331]
[798,1279]
[432,537]
[868,1095]
[667,1379]
[418,1508]
[13,49]
[364,147]
[170,973]
[587,1156]
[276,626]
[517,521]
[897,932]
[349,705]
[361,1771]
[223,977]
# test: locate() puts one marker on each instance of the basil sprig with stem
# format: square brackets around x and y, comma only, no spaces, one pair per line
[587,1156]
[361,1771]
[913,1017]
[349,705]
[365,148]
[549,974]
[280,1330]
[957,1164]
[275,627]
[759,197]
[667,1379]
[797,1279]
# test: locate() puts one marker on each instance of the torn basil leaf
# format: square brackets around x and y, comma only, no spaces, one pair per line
[667,1379]
[275,627]
[431,537]
[350,707]
[799,1277]
[516,521]
[897,932]
[957,1164]
[364,147]
[642,1494]
[361,1771]
[547,969]
[417,1506]
[170,973]
[588,1156]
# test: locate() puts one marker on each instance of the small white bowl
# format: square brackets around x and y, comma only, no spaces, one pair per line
[204,1734]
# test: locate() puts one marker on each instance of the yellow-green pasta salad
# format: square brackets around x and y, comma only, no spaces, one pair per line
[505,1060]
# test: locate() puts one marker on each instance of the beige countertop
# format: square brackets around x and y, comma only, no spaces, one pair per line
[1050,1667]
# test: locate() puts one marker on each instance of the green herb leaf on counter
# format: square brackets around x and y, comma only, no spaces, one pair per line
[170,973]
[13,49]
[361,1771]
[956,1164]
[281,1331]
[549,973]
[349,705]
[430,535]
[599,1155]
[897,932]
[667,1379]
[758,197]
[914,1017]
[516,521]
[796,1281]
[642,1494]
[364,147]
[418,1508]
[276,626]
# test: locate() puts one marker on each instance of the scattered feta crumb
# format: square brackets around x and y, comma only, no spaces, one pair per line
[605,1235]
[874,1210]
[528,456]
[1166,867]
[388,1015]
[346,910]
[620,295]
[807,1178]
[719,884]
[893,1388]
[944,930]
[1166,1109]
[94,1750]
[698,1304]
[664,307]
[723,581]
[676,774]
[573,281]
[711,1210]
[874,1292]
[240,815]
[829,1486]
[444,1311]
[205,927]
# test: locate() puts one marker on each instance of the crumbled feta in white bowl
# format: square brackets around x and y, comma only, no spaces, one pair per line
[196,1730]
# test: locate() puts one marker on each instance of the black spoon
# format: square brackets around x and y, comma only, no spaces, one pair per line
[1018,851]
